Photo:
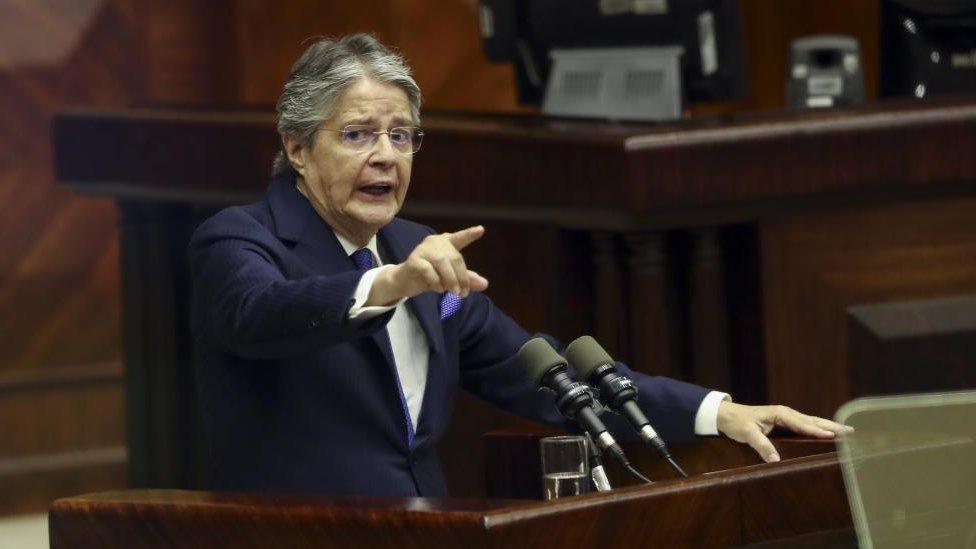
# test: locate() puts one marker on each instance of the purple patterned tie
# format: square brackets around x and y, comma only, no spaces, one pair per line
[363,259]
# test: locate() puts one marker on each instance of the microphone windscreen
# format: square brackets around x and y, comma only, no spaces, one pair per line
[586,355]
[538,357]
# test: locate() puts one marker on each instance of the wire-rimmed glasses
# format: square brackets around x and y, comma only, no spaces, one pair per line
[361,138]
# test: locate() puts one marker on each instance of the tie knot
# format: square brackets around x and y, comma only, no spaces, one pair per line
[363,258]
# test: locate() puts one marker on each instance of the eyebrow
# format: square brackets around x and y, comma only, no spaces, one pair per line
[398,121]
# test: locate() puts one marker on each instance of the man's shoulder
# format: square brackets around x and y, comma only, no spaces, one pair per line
[251,222]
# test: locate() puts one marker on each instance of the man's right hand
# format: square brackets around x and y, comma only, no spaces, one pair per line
[435,265]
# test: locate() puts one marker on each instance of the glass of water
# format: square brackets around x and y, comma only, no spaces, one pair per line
[565,469]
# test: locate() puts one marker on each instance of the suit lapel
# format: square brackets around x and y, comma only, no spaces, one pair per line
[297,223]
[314,241]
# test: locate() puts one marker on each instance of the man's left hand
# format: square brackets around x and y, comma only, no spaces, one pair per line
[751,424]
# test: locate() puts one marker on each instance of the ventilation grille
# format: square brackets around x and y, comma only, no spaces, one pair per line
[643,83]
[581,84]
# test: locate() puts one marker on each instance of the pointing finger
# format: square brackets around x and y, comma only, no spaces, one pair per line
[462,238]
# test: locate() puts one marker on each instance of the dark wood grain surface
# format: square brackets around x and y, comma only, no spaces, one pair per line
[819,262]
[572,172]
[923,345]
[736,505]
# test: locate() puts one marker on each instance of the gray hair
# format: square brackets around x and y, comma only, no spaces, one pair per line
[323,73]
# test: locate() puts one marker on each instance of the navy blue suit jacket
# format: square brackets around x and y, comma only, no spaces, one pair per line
[296,398]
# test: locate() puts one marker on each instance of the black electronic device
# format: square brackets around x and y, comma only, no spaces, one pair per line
[524,32]
[928,47]
[825,71]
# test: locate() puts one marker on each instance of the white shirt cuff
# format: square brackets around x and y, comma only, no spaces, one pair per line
[358,311]
[706,419]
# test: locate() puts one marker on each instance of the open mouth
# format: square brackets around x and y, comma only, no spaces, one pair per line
[379,189]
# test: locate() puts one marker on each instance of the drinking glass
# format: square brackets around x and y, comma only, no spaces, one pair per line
[565,468]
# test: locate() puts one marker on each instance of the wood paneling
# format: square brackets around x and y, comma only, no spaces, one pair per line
[60,378]
[189,52]
[59,410]
[30,485]
[438,38]
[271,36]
[818,263]
[584,173]
[63,430]
[912,346]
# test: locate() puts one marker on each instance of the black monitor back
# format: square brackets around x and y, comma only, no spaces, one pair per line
[525,31]
[928,47]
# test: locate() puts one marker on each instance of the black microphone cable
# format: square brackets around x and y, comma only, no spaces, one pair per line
[633,470]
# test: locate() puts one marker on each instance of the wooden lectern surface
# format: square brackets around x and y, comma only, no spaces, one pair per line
[800,499]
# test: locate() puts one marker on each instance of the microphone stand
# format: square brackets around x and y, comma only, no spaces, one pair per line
[597,473]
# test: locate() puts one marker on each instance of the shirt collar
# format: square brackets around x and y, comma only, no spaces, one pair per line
[349,247]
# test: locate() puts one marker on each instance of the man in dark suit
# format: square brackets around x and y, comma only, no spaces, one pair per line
[333,336]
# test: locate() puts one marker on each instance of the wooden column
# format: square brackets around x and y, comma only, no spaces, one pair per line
[610,310]
[164,427]
[708,311]
[655,333]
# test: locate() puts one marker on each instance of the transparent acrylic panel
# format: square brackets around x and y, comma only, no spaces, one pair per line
[910,469]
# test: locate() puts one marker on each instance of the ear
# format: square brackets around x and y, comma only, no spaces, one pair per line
[295,150]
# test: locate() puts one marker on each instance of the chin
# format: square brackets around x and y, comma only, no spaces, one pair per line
[377,219]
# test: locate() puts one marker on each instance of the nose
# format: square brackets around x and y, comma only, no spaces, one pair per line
[382,153]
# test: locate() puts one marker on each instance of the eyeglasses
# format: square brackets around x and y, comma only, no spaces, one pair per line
[405,139]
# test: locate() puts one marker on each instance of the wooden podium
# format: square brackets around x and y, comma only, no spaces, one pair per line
[798,502]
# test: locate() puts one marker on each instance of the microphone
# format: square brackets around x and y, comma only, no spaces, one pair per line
[574,400]
[617,391]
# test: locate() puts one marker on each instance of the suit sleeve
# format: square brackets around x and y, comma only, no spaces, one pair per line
[245,305]
[489,368]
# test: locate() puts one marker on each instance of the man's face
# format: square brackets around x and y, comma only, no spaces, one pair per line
[359,191]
